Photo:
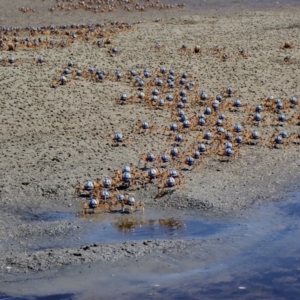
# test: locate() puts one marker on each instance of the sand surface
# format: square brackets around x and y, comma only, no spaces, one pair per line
[53,136]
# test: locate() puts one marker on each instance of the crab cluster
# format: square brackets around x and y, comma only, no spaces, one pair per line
[12,38]
[101,6]
[201,127]
[26,9]
[106,191]
[213,124]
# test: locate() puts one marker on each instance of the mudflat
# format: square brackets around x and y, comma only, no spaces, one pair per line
[54,133]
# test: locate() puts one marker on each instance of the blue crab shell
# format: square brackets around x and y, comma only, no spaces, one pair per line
[126,169]
[120,197]
[170,182]
[281,118]
[169,97]
[92,203]
[190,160]
[207,111]
[165,158]
[145,125]
[150,157]
[152,173]
[255,134]
[219,98]
[284,134]
[174,152]
[126,176]
[178,137]
[239,139]
[207,135]
[258,108]
[130,200]
[257,117]
[118,137]
[173,126]
[201,147]
[228,151]
[104,194]
[237,128]
[155,92]
[173,173]
[107,182]
[196,154]
[237,103]
[88,185]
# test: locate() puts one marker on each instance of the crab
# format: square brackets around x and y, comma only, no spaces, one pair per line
[160,104]
[225,122]
[226,151]
[172,173]
[184,48]
[169,182]
[10,61]
[203,148]
[237,128]
[236,105]
[127,200]
[188,161]
[157,47]
[103,194]
[228,92]
[87,186]
[118,139]
[127,175]
[257,119]
[147,157]
[144,127]
[105,183]
[206,136]
[244,53]
[152,173]
[40,60]
[277,140]
[63,43]
[203,96]
[163,159]
[94,204]
[12,46]
[174,153]
[61,80]
[176,139]
[123,99]
[218,49]
[287,45]
[293,101]
[225,56]
[198,49]
[171,128]
[113,51]
[287,59]
[133,205]
[252,137]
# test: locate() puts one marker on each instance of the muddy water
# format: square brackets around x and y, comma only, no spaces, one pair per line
[258,258]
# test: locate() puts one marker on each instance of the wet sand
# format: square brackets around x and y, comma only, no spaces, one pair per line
[51,137]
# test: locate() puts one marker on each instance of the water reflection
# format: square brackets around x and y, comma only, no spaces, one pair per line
[126,224]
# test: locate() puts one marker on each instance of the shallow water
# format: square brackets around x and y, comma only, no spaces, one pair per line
[259,258]
[117,227]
